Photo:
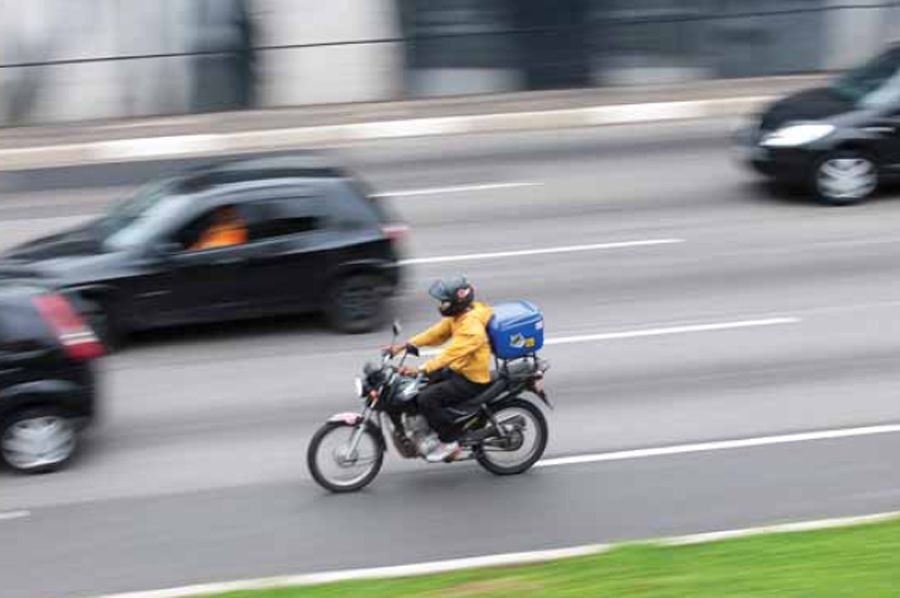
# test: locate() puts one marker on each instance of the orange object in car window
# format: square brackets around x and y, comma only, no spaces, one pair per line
[227,230]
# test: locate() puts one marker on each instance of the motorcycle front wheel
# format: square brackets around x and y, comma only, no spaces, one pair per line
[524,443]
[338,469]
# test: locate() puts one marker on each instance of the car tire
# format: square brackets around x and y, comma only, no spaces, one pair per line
[37,440]
[844,178]
[357,304]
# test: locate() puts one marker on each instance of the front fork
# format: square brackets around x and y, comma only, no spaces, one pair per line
[359,431]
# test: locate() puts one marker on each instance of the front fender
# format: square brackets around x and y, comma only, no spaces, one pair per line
[350,418]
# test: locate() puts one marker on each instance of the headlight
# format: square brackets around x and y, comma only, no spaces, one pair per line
[796,135]
[359,386]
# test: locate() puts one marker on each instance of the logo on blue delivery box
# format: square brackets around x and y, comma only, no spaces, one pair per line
[519,341]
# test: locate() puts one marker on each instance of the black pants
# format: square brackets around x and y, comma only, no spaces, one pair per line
[446,389]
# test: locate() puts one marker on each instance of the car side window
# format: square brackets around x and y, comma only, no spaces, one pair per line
[222,226]
[287,216]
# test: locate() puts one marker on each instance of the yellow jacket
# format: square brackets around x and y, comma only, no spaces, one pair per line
[469,351]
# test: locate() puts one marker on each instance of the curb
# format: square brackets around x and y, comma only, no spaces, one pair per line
[497,560]
[198,145]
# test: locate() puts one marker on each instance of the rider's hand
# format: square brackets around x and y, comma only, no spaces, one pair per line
[392,350]
[408,371]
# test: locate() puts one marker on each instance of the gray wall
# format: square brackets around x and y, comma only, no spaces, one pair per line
[231,54]
[224,76]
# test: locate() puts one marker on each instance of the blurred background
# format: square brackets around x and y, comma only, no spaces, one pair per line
[63,60]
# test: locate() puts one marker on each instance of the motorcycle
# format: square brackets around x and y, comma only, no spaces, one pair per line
[504,432]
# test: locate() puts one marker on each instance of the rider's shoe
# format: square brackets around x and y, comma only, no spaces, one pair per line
[444,451]
[429,443]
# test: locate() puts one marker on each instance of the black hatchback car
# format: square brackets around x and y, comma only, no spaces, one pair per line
[839,141]
[47,390]
[235,240]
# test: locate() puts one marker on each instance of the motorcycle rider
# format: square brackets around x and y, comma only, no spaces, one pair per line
[460,371]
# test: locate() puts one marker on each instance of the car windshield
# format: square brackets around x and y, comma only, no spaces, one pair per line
[874,85]
[137,219]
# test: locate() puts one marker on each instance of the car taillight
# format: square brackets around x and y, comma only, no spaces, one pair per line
[395,232]
[76,337]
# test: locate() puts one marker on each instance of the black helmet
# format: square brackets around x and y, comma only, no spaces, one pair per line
[455,295]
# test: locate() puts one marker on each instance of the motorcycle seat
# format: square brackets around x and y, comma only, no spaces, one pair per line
[467,409]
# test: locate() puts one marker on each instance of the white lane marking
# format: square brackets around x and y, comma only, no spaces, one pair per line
[494,560]
[457,189]
[468,257]
[720,445]
[609,336]
[606,336]
[9,515]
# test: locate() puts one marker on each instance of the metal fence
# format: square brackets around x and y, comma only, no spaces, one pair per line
[223,54]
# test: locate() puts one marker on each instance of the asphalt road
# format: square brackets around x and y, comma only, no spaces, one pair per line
[726,311]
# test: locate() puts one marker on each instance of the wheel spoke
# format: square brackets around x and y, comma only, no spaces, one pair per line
[847,178]
[37,442]
[335,463]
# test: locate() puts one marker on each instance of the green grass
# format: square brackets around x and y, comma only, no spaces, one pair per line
[853,562]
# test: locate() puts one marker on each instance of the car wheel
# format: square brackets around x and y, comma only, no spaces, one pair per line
[357,304]
[845,178]
[37,440]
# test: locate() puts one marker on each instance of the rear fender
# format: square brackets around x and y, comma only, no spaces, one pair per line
[46,393]
[536,386]
[517,393]
[542,395]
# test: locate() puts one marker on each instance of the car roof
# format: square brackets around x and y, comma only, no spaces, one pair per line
[263,170]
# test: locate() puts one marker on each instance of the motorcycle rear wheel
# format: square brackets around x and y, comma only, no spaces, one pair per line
[368,457]
[497,460]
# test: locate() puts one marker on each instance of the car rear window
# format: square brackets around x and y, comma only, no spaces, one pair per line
[359,206]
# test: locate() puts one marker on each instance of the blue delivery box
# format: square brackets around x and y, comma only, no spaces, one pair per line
[516,329]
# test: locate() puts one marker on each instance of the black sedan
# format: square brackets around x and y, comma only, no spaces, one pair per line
[838,141]
[236,240]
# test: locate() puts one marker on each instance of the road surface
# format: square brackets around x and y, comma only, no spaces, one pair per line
[685,303]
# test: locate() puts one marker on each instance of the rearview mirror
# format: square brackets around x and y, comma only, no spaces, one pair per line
[396,328]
